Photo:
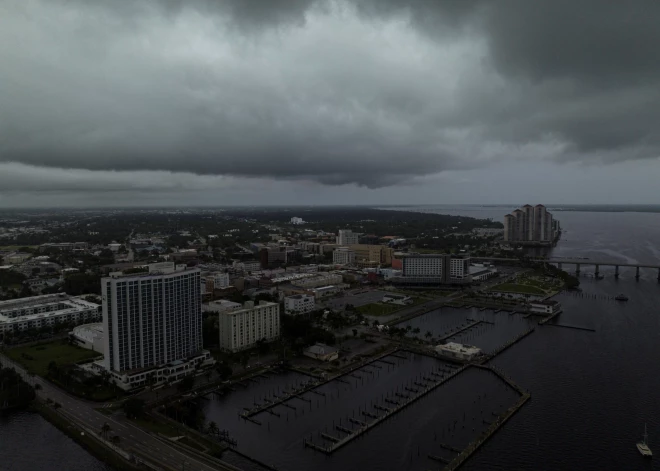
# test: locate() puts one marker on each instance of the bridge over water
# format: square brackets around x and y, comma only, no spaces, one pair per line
[578,263]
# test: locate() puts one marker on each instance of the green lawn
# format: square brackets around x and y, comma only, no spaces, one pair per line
[518,288]
[383,309]
[378,309]
[36,358]
[16,247]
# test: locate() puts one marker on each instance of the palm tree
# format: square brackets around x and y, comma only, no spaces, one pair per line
[416,330]
[213,428]
[428,334]
[116,440]
[105,429]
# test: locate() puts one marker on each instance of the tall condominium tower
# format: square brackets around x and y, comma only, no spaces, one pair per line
[529,224]
[153,318]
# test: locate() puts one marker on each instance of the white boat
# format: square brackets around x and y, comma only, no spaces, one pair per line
[643,447]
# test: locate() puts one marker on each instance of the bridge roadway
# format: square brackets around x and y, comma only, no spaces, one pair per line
[577,262]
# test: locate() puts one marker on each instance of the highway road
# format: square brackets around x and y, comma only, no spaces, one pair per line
[132,439]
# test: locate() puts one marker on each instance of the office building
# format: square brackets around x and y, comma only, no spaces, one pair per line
[347,237]
[299,304]
[530,225]
[152,321]
[372,254]
[343,256]
[36,312]
[296,221]
[434,269]
[270,257]
[243,328]
[220,280]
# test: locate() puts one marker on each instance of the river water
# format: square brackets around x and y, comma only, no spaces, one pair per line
[28,442]
[592,392]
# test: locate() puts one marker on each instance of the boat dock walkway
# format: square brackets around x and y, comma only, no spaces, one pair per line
[511,342]
[494,426]
[297,393]
[456,332]
[464,455]
[549,318]
[335,445]
[572,327]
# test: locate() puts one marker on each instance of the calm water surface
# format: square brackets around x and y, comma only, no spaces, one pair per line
[28,442]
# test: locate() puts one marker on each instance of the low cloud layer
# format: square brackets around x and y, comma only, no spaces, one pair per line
[374,93]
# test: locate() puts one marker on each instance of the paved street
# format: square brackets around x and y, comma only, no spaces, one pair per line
[132,438]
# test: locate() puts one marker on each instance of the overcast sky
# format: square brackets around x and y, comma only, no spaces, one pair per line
[227,102]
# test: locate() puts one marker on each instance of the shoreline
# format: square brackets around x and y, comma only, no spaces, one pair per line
[89,444]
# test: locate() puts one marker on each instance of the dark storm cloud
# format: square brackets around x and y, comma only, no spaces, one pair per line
[374,93]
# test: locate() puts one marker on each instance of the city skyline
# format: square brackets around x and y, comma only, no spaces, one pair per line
[327,102]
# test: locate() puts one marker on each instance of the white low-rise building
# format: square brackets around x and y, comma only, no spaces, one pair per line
[325,291]
[397,299]
[89,336]
[47,310]
[481,272]
[458,351]
[170,373]
[318,280]
[243,328]
[545,307]
[321,352]
[299,304]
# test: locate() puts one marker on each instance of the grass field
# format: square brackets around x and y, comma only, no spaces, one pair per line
[378,309]
[383,309]
[517,288]
[36,358]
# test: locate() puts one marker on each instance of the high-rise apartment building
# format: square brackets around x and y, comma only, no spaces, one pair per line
[152,320]
[243,328]
[530,224]
[347,237]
